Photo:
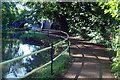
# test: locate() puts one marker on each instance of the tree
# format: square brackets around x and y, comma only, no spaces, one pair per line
[9,12]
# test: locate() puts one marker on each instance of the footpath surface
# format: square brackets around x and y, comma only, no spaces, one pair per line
[90,62]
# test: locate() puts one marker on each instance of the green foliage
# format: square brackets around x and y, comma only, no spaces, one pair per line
[89,21]
[9,12]
[116,59]
[78,19]
[113,8]
[116,67]
[59,67]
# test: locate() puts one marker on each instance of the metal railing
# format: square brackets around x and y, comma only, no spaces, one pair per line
[44,49]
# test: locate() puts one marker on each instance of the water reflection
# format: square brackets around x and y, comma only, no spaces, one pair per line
[16,73]
[19,68]
[12,48]
[27,49]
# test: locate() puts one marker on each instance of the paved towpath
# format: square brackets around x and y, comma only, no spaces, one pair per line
[90,62]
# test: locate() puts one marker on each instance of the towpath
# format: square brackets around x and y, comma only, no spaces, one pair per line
[90,61]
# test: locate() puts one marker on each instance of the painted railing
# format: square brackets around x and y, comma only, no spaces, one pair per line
[65,38]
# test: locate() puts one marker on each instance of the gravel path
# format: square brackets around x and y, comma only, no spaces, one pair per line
[90,62]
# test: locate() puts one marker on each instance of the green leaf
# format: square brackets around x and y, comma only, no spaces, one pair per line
[100,3]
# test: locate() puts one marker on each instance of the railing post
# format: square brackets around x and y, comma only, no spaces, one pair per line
[69,46]
[52,52]
[48,32]
[34,32]
[29,33]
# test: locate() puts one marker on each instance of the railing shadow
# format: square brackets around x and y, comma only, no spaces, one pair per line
[101,59]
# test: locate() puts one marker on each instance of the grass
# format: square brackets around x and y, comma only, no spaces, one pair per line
[59,68]
[32,34]
[40,36]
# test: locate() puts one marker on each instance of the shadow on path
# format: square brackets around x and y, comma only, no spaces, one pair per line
[90,61]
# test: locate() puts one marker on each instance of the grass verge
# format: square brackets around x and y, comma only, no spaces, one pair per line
[59,68]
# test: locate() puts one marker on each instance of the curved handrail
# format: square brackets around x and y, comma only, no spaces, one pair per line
[44,49]
[12,60]
[36,69]
[61,32]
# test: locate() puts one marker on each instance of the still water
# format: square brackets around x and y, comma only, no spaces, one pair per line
[13,46]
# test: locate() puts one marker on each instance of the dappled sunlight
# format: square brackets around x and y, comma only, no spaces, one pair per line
[77,55]
[72,46]
[72,73]
[95,47]
[71,76]
[93,27]
[89,75]
[89,60]
[89,56]
[103,58]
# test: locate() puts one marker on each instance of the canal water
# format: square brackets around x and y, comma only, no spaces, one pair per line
[19,44]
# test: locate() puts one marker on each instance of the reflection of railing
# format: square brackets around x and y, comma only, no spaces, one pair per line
[44,49]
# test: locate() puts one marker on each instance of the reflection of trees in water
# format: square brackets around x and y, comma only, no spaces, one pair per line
[12,68]
[10,47]
[38,60]
[33,41]
[10,50]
